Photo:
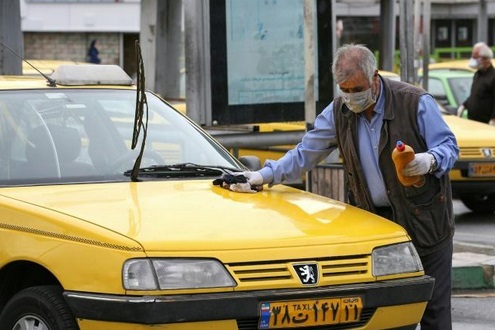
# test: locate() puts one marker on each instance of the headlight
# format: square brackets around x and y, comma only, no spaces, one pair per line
[166,274]
[396,259]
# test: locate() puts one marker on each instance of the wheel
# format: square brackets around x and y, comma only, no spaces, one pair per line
[479,203]
[126,162]
[38,308]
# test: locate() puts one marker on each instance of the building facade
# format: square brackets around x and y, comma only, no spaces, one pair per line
[63,29]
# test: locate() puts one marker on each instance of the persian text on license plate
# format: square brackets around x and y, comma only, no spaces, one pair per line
[481,169]
[303,313]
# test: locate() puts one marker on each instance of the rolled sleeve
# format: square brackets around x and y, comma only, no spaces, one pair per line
[439,139]
[314,147]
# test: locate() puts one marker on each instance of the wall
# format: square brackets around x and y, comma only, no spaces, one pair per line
[70,46]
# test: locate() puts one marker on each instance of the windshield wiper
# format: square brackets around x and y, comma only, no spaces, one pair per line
[183,170]
[140,112]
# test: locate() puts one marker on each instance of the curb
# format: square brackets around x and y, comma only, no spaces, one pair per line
[473,271]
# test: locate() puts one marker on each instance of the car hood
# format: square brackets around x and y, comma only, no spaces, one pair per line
[196,215]
[470,133]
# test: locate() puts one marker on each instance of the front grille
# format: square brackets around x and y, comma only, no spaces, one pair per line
[474,153]
[366,314]
[280,273]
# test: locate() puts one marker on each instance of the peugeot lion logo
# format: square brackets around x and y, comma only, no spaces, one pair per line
[487,153]
[308,273]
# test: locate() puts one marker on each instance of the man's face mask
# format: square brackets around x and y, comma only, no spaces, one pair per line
[360,101]
[475,63]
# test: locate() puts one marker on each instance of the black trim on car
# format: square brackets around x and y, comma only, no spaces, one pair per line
[236,305]
[472,187]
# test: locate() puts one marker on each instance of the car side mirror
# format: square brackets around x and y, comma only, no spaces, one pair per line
[251,162]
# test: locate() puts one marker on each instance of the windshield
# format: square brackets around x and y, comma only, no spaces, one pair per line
[82,135]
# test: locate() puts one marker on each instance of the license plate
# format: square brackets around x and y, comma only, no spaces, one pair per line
[481,169]
[306,313]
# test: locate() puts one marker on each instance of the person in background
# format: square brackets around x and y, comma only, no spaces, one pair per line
[481,102]
[93,53]
[365,121]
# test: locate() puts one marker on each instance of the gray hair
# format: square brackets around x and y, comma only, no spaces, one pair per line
[483,50]
[351,58]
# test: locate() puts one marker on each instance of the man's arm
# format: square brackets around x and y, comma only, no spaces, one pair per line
[314,147]
[440,140]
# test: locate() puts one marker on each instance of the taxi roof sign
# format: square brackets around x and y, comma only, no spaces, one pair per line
[91,74]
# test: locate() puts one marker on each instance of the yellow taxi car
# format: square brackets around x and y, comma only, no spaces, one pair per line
[109,219]
[473,175]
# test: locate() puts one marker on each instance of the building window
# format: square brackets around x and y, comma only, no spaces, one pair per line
[359,29]
[443,34]
[464,37]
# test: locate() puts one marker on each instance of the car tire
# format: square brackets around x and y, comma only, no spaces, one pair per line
[479,203]
[41,307]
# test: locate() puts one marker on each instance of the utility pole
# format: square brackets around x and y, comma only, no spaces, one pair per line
[309,71]
[387,45]
[406,41]
[160,40]
[482,21]
[11,37]
[426,41]
[198,61]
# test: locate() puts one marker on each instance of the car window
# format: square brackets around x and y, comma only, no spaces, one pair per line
[461,88]
[86,134]
[435,87]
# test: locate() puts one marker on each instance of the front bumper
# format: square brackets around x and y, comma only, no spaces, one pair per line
[236,305]
[463,184]
[460,188]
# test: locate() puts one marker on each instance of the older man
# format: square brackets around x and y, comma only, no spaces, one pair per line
[481,102]
[366,120]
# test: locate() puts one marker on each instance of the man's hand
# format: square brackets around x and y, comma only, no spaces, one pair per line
[254,178]
[420,165]
[460,110]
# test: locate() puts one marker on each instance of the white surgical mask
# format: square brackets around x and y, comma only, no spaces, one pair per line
[360,101]
[475,63]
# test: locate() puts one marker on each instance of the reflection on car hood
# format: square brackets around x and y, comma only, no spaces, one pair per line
[195,215]
[471,133]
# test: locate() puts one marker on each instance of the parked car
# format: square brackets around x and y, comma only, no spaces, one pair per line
[91,237]
[473,175]
[450,87]
[450,82]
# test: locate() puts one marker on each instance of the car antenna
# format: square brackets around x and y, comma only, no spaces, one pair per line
[141,107]
[51,82]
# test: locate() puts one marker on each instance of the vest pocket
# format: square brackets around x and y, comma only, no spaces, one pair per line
[430,222]
[425,193]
